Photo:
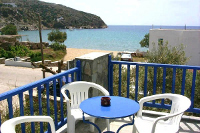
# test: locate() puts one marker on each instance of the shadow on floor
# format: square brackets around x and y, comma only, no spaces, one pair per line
[185,126]
[114,125]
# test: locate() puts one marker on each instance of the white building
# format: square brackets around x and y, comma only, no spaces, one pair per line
[189,38]
[12,4]
[59,19]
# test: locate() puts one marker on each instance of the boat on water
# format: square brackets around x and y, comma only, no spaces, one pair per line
[71,28]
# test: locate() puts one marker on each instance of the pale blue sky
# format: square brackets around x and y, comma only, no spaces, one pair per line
[139,12]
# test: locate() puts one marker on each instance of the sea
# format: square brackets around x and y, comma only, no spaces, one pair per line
[113,38]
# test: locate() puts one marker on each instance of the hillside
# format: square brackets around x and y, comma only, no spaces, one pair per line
[24,14]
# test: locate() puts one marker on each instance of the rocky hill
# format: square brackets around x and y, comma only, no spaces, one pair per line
[24,14]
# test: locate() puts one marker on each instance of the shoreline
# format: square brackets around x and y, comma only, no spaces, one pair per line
[72,53]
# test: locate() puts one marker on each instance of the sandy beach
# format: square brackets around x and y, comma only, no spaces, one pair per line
[74,52]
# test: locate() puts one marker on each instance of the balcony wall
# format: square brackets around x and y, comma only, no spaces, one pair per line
[94,68]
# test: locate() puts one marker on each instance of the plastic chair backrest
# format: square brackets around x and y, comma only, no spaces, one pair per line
[9,125]
[179,105]
[79,91]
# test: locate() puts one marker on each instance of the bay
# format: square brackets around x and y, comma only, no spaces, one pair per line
[113,38]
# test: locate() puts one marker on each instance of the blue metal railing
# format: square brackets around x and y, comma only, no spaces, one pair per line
[140,80]
[42,87]
[143,79]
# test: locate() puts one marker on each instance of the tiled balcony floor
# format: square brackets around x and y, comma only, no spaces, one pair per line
[186,126]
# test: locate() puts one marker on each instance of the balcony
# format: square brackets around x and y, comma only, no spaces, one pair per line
[128,79]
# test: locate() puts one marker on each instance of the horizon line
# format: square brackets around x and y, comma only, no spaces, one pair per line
[150,25]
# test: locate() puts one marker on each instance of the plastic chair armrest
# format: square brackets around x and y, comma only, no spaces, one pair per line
[146,99]
[105,92]
[9,125]
[67,100]
[163,118]
[150,98]
[141,102]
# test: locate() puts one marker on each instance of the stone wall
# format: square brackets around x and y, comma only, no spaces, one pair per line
[2,60]
[33,45]
[8,38]
[94,68]
[49,63]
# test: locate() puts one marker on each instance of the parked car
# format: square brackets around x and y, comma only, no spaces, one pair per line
[126,57]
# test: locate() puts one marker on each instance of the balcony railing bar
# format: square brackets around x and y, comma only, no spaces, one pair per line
[193,88]
[120,75]
[41,86]
[183,82]
[156,64]
[173,80]
[145,81]
[136,82]
[31,109]
[128,79]
[35,84]
[162,67]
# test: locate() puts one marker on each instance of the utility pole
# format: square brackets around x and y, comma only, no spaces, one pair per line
[41,46]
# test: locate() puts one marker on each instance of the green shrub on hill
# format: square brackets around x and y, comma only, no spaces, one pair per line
[57,52]
[3,53]
[35,56]
[56,46]
[9,29]
[48,53]
[13,51]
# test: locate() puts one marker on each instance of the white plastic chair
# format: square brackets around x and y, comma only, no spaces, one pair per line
[78,92]
[9,125]
[164,124]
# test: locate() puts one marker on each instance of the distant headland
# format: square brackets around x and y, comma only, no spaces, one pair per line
[24,14]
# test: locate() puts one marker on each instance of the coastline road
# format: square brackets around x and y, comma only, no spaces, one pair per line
[12,77]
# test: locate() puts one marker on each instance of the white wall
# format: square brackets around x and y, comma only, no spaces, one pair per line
[189,38]
[11,62]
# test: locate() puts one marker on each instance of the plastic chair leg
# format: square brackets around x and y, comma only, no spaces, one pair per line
[108,124]
[71,124]
[134,129]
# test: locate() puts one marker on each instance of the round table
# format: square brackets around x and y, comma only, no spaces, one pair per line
[120,107]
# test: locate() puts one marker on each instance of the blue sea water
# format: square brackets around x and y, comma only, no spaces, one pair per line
[113,38]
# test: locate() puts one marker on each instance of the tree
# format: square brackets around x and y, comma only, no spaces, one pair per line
[145,41]
[9,29]
[57,36]
[163,54]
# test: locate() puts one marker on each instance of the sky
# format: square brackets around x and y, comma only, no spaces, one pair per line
[139,12]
